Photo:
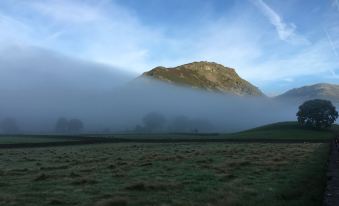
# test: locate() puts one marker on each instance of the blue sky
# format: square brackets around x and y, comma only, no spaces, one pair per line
[274,44]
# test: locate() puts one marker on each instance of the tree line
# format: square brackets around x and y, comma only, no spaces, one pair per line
[10,125]
[64,125]
[157,122]
[316,113]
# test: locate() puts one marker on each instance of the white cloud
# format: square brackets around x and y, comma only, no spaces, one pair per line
[240,44]
[311,60]
[108,33]
[286,31]
[101,31]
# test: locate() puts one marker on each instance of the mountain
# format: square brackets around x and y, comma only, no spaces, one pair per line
[316,91]
[208,76]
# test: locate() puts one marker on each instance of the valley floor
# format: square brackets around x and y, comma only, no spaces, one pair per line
[165,174]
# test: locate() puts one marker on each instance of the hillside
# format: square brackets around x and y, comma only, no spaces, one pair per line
[285,130]
[207,76]
[316,91]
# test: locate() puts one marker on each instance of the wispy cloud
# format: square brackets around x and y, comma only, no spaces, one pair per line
[311,60]
[334,49]
[333,46]
[106,32]
[68,11]
[286,31]
[13,31]
[336,4]
[100,31]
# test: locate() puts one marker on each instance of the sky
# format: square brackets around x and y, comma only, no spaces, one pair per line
[276,45]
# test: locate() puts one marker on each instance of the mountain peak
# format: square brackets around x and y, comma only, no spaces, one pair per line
[315,91]
[209,76]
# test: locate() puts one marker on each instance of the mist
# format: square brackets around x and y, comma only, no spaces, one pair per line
[225,113]
[37,87]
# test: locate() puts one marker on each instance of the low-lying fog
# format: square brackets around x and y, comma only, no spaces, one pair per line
[38,87]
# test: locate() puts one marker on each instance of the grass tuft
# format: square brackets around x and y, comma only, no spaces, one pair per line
[117,201]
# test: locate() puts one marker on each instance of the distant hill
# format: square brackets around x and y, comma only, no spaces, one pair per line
[316,91]
[208,76]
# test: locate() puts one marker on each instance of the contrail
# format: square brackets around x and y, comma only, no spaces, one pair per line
[333,48]
[336,3]
[331,43]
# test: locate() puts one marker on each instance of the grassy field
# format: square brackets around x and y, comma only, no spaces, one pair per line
[284,130]
[164,174]
[30,139]
[277,131]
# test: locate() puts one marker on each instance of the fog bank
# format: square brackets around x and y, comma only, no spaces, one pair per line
[37,87]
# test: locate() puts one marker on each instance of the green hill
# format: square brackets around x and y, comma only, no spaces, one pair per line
[277,131]
[207,76]
[285,130]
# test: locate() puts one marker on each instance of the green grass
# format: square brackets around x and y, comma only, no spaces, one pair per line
[165,174]
[30,139]
[284,130]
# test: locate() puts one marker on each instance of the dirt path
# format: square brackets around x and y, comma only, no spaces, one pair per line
[101,140]
[332,190]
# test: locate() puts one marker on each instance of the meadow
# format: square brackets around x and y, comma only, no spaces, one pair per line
[165,174]
[10,139]
[276,131]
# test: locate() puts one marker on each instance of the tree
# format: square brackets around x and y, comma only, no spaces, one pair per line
[153,121]
[61,126]
[317,113]
[180,124]
[75,125]
[9,126]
